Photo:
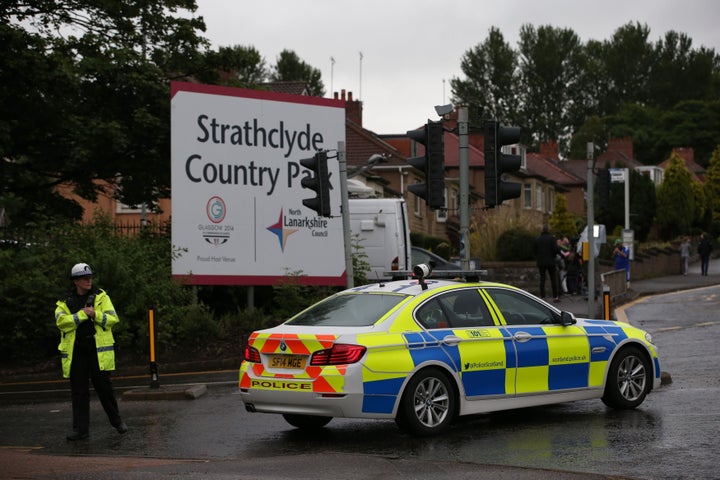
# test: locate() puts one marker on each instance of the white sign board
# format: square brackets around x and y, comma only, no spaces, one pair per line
[237,211]
[618,175]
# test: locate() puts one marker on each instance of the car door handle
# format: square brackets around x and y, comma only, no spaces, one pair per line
[522,336]
[451,340]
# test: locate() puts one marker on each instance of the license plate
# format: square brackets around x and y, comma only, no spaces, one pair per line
[287,361]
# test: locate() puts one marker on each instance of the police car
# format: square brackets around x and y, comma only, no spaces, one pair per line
[425,351]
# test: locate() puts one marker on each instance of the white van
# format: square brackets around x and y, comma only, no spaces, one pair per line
[382,228]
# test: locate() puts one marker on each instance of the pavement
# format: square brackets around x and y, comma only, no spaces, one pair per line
[578,304]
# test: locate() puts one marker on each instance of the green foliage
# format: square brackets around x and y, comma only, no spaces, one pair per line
[492,63]
[562,222]
[291,296]
[675,201]
[289,67]
[515,244]
[712,192]
[134,271]
[361,267]
[556,87]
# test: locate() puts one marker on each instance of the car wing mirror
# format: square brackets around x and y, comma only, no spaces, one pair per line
[567,319]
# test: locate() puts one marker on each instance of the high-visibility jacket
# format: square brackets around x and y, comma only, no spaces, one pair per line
[105,319]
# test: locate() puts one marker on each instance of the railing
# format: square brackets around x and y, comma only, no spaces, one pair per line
[615,279]
[26,236]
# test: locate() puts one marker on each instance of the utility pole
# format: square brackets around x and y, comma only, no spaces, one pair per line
[464,187]
[345,209]
[591,229]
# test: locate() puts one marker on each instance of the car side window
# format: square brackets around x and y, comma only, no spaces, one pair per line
[431,315]
[455,309]
[519,309]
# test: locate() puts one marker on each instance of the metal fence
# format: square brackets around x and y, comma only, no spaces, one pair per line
[617,283]
[26,236]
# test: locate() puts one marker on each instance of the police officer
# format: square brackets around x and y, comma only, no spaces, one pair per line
[85,319]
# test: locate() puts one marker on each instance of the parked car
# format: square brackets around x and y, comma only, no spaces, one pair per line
[422,256]
[425,351]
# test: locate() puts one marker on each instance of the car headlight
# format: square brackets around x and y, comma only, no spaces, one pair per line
[648,338]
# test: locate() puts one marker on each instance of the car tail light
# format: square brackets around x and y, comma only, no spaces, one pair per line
[395,265]
[339,354]
[251,354]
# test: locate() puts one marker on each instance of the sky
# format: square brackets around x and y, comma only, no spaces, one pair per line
[398,56]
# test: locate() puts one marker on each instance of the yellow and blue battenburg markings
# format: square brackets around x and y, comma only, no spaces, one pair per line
[491,362]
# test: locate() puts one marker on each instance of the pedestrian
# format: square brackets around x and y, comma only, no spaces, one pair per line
[622,258]
[573,265]
[685,254]
[85,319]
[704,249]
[546,251]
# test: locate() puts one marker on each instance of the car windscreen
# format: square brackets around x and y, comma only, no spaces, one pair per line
[348,310]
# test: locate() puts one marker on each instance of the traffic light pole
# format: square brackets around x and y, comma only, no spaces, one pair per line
[345,207]
[591,230]
[464,188]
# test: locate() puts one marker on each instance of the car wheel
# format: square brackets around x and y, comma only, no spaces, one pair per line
[628,379]
[306,422]
[429,403]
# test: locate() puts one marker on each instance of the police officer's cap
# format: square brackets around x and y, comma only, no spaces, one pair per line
[80,270]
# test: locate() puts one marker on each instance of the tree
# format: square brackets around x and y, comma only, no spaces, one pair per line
[236,66]
[712,191]
[290,68]
[562,222]
[490,70]
[675,200]
[551,69]
[677,63]
[643,203]
[627,60]
[98,104]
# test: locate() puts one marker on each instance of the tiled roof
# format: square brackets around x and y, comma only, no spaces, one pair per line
[551,170]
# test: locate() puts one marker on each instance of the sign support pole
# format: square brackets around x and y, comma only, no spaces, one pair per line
[345,210]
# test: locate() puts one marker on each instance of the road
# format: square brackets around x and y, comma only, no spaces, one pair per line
[672,435]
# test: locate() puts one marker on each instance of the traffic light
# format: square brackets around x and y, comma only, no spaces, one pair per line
[318,182]
[603,187]
[432,164]
[497,163]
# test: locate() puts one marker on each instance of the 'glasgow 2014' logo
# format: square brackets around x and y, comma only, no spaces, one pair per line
[213,233]
[216,209]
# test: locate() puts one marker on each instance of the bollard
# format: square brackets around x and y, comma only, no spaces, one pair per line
[154,380]
[606,302]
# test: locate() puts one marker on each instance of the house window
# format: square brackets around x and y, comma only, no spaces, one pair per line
[527,195]
[417,205]
[540,198]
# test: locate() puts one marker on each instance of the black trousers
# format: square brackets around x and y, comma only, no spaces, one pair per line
[84,368]
[552,272]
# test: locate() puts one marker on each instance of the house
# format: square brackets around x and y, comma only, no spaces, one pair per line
[377,166]
[687,154]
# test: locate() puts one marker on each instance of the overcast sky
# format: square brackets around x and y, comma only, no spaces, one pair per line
[412,48]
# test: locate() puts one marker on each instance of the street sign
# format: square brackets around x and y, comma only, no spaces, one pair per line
[618,175]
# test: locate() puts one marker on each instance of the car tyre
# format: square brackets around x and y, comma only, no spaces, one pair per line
[306,422]
[629,380]
[429,403]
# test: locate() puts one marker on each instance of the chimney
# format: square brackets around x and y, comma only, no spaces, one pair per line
[686,153]
[353,108]
[477,140]
[550,149]
[621,145]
